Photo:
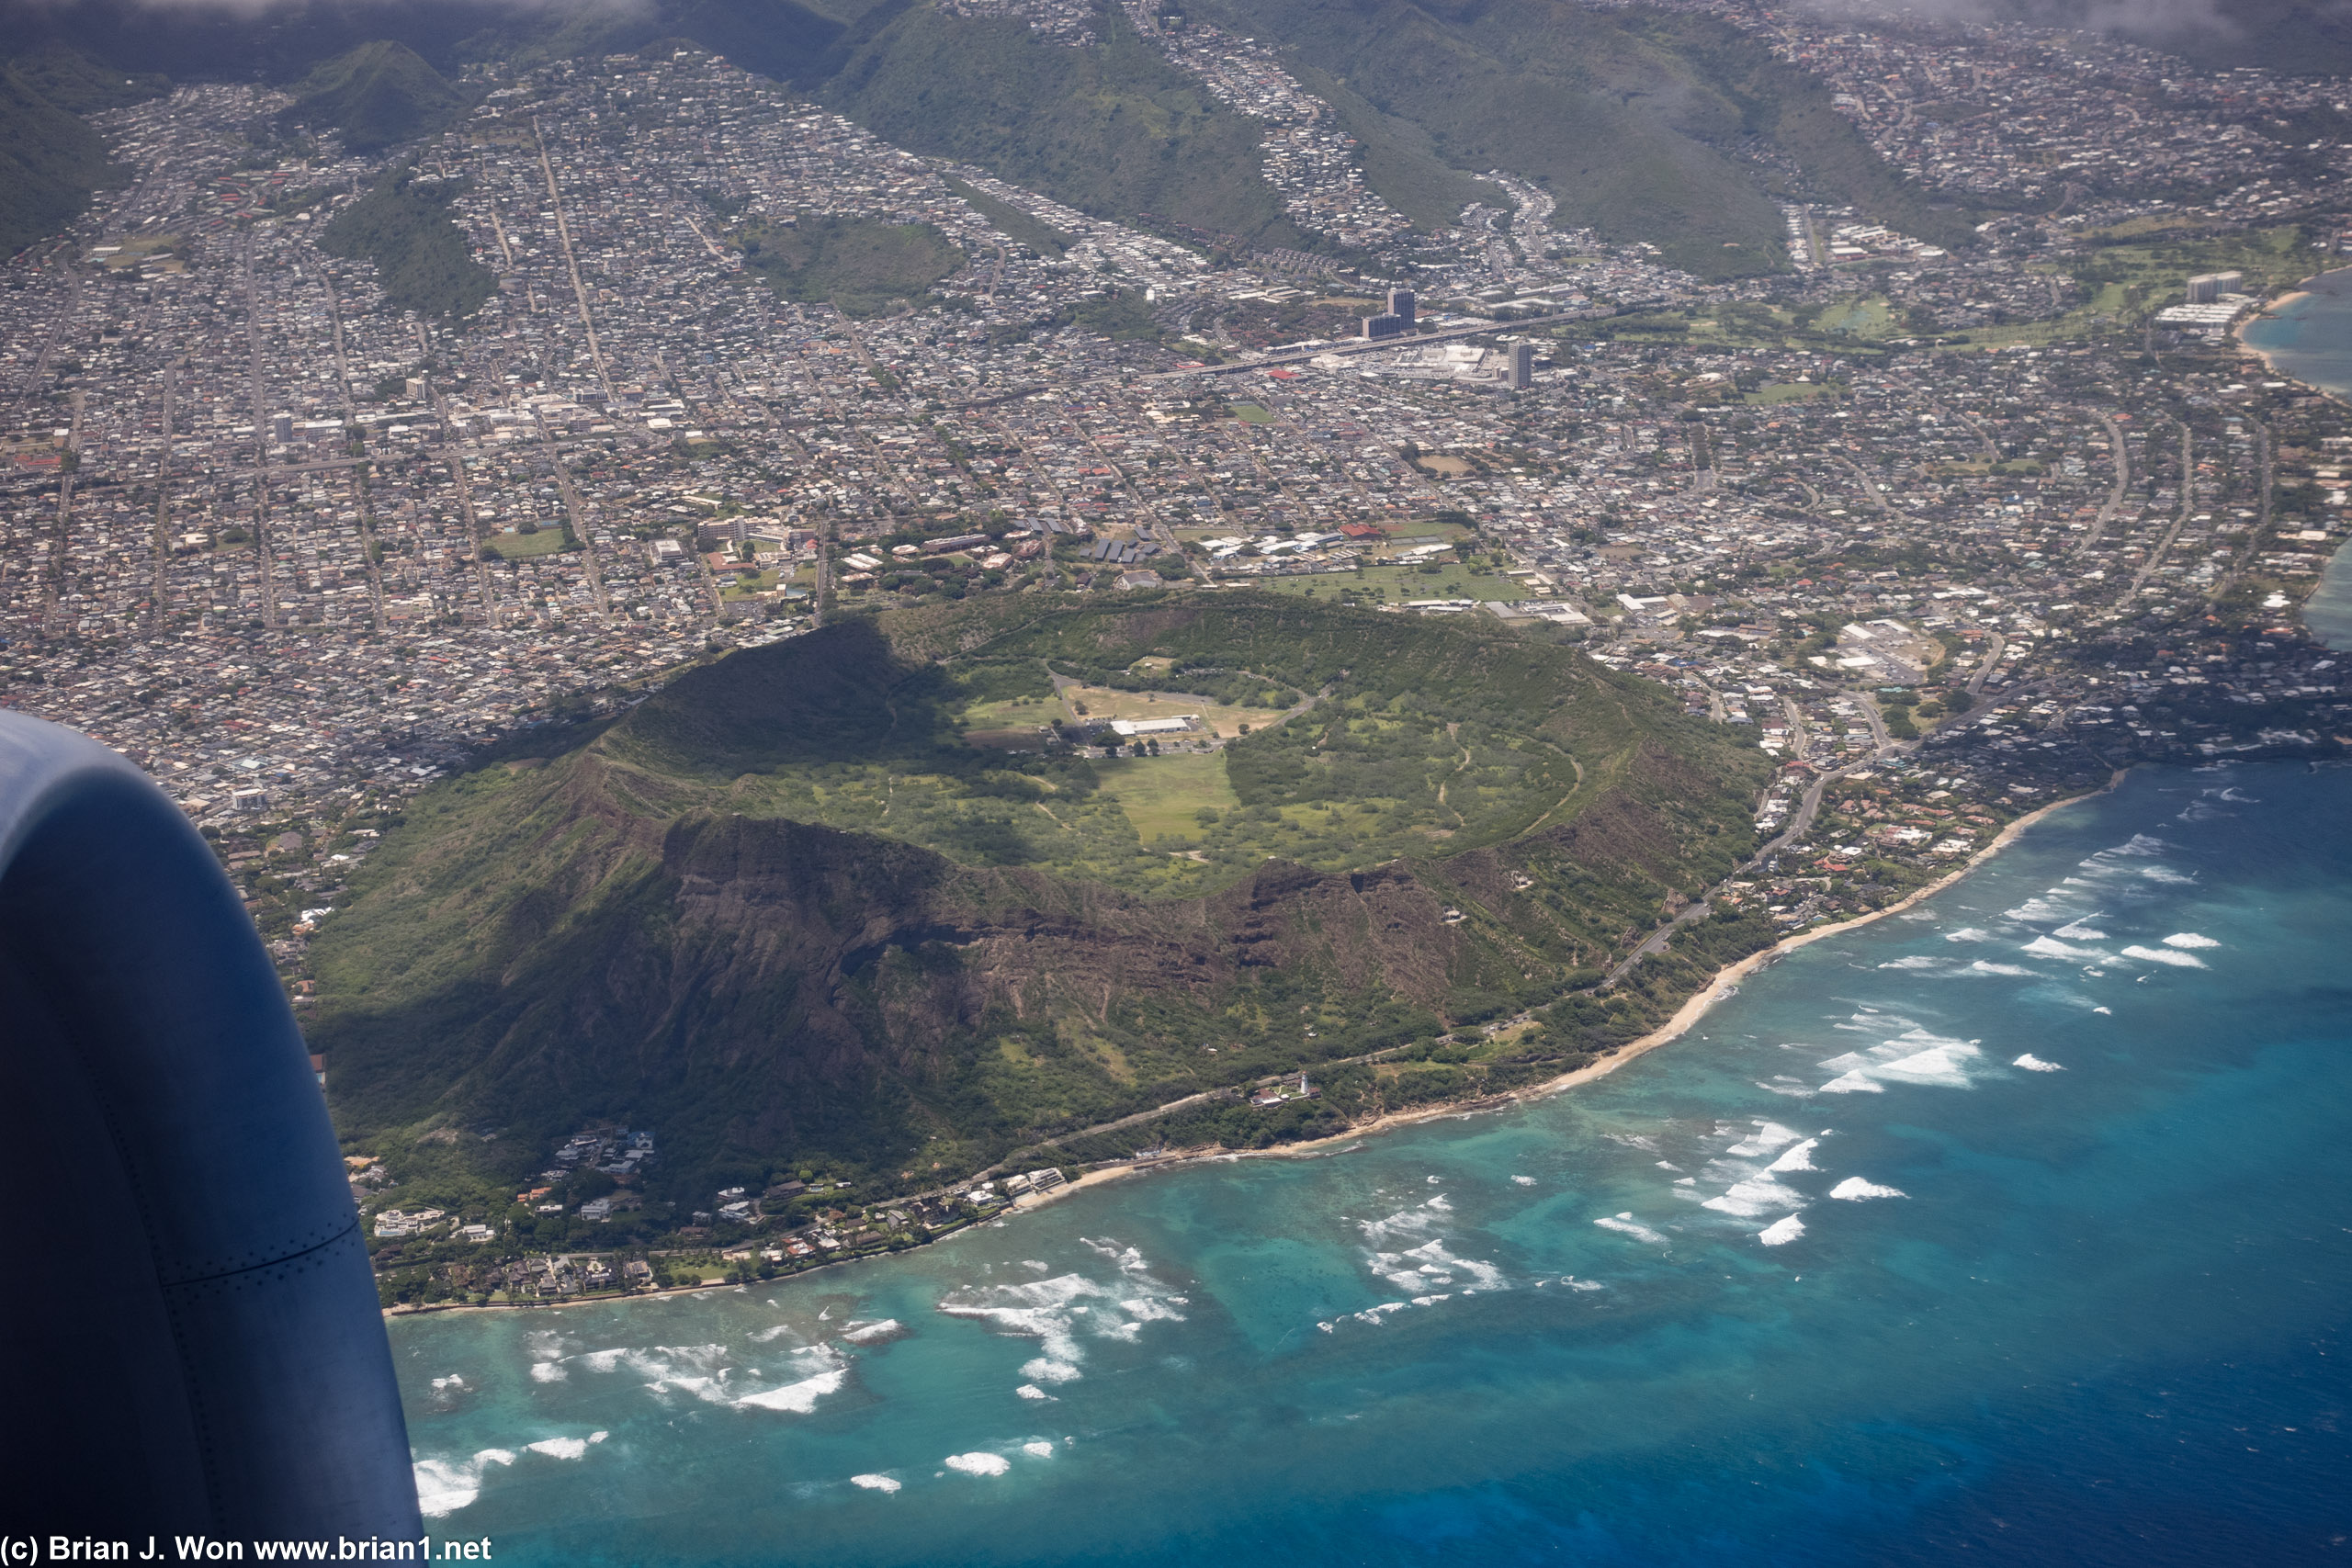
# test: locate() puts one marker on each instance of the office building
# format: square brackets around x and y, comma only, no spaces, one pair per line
[2208,287]
[1387,324]
[1401,304]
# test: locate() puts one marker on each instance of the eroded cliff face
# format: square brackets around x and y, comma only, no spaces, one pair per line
[599,934]
[780,984]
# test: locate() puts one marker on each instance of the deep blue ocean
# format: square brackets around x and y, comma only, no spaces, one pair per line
[2015,1229]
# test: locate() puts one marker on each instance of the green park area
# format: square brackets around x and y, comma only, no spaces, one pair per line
[748,584]
[512,545]
[1022,712]
[864,267]
[1163,796]
[1401,584]
[2135,269]
[1428,736]
[1791,391]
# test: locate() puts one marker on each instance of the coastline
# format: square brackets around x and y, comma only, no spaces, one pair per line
[2269,308]
[2342,555]
[1685,1018]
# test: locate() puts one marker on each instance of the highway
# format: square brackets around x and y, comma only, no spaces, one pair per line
[1348,349]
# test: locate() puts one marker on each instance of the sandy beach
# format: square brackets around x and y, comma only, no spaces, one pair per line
[2271,309]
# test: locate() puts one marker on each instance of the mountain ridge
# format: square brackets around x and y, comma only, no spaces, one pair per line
[552,941]
[378,93]
[1636,121]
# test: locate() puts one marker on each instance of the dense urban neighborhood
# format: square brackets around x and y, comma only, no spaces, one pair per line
[333,473]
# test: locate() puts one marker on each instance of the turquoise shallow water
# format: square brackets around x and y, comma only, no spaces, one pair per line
[1680,1316]
[2312,341]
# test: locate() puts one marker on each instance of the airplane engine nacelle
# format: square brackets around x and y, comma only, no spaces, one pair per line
[189,1335]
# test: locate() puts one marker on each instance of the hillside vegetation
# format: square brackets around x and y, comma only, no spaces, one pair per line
[1009,220]
[51,160]
[1642,125]
[862,265]
[786,913]
[1400,158]
[377,95]
[422,260]
[1114,130]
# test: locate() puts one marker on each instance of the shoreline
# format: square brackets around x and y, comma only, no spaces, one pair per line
[2270,366]
[1686,1017]
[2268,311]
[2237,334]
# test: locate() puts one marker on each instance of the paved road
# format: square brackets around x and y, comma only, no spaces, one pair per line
[1138,1119]
[61,542]
[2115,497]
[2187,505]
[571,265]
[1996,645]
[1696,909]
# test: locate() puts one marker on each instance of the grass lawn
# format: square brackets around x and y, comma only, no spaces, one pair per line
[1250,414]
[1865,316]
[739,586]
[1161,795]
[1013,713]
[2134,281]
[1427,531]
[1397,584]
[1101,702]
[522,546]
[862,265]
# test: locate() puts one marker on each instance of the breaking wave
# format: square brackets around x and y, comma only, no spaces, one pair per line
[1054,1310]
[1914,1057]
[566,1448]
[1625,1224]
[2049,947]
[444,1487]
[1854,1189]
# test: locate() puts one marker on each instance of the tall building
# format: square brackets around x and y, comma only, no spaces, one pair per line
[1387,324]
[2207,288]
[1400,305]
[1522,366]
